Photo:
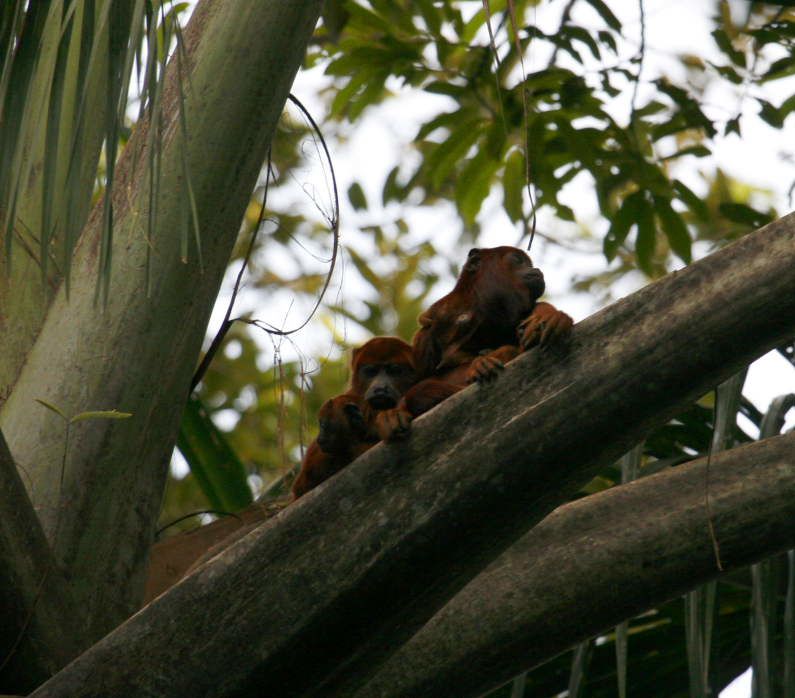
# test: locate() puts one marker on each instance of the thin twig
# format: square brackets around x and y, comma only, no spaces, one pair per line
[641,55]
[334,220]
[495,53]
[182,518]
[227,323]
[334,223]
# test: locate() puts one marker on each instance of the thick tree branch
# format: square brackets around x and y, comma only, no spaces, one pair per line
[137,352]
[596,562]
[40,629]
[312,599]
[171,558]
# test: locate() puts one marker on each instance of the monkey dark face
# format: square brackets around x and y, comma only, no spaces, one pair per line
[383,369]
[533,279]
[501,282]
[386,383]
[503,271]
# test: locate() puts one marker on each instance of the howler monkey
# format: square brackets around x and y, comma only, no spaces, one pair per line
[382,370]
[491,316]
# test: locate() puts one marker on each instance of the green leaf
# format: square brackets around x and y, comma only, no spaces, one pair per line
[606,14]
[674,228]
[396,15]
[653,107]
[782,68]
[335,17]
[608,40]
[431,15]
[689,109]
[392,190]
[744,214]
[212,461]
[732,126]
[725,45]
[367,19]
[787,106]
[364,268]
[52,408]
[356,197]
[100,414]
[447,88]
[565,213]
[693,202]
[473,185]
[647,237]
[774,32]
[699,151]
[788,651]
[446,120]
[622,631]
[443,158]
[699,612]
[371,94]
[769,114]
[622,221]
[584,36]
[342,100]
[764,618]
[513,185]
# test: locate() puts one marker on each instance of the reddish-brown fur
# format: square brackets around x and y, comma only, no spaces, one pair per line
[489,318]
[382,370]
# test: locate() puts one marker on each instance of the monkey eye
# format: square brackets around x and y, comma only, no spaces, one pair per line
[369,370]
[395,369]
[520,259]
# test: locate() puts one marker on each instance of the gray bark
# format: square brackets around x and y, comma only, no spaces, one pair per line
[41,632]
[312,600]
[137,353]
[595,562]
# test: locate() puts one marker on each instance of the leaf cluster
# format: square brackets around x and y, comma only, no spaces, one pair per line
[576,123]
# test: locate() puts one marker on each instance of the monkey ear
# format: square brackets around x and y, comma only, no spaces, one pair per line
[473,260]
[425,319]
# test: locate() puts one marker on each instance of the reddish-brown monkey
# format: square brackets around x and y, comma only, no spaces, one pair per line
[382,370]
[491,316]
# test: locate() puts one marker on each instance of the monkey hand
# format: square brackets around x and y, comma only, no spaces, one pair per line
[484,369]
[489,364]
[545,325]
[393,424]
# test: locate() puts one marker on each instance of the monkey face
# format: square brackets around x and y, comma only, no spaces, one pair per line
[386,383]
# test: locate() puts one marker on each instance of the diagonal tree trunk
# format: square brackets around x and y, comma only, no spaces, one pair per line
[583,569]
[137,352]
[41,631]
[312,601]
